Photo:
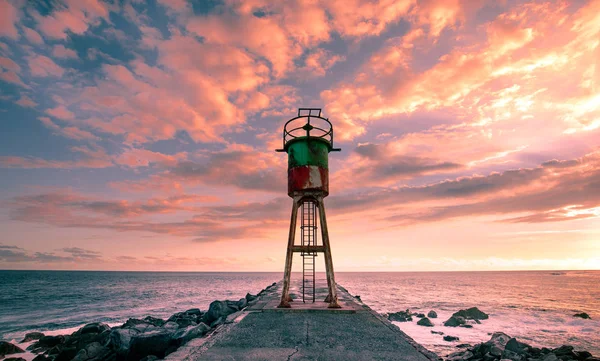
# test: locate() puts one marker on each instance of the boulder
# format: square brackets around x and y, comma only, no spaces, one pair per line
[32,336]
[582,315]
[173,326]
[550,357]
[466,325]
[138,325]
[41,357]
[250,297]
[495,346]
[517,347]
[96,327]
[455,321]
[451,338]
[158,322]
[46,343]
[437,332]
[400,316]
[425,322]
[565,352]
[184,319]
[242,303]
[62,352]
[194,311]
[472,313]
[183,335]
[156,342]
[218,309]
[460,356]
[419,315]
[432,314]
[149,358]
[582,355]
[14,359]
[119,340]
[7,348]
[510,355]
[94,352]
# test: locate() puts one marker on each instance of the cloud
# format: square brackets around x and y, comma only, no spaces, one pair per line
[77,252]
[42,66]
[33,36]
[59,51]
[74,16]
[9,17]
[25,101]
[91,156]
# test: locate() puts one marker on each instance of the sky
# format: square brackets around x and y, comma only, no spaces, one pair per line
[140,135]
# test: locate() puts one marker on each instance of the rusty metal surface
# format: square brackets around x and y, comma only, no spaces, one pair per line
[308,178]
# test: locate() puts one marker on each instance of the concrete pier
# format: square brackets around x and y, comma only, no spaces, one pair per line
[307,331]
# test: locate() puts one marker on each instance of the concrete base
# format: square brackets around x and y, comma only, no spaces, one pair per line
[306,331]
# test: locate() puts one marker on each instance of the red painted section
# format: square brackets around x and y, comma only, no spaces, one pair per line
[308,178]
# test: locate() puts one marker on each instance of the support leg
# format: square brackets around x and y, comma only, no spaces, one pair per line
[332,295]
[285,293]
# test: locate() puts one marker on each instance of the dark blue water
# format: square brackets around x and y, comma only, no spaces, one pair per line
[536,307]
[53,300]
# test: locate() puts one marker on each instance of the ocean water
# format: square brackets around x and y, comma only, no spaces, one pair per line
[536,307]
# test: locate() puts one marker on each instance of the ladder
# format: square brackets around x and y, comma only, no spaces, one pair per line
[308,237]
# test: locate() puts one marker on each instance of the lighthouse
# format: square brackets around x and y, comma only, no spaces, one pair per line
[308,140]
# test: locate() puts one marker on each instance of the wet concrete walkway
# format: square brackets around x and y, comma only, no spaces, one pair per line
[307,331]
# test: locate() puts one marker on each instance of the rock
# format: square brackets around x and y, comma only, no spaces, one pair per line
[155,342]
[170,326]
[466,326]
[400,316]
[460,356]
[582,355]
[455,321]
[550,357]
[358,298]
[149,358]
[582,315]
[250,297]
[96,327]
[510,355]
[46,343]
[94,352]
[119,340]
[242,303]
[463,345]
[218,321]
[472,313]
[451,338]
[184,319]
[437,332]
[41,358]
[432,314]
[218,309]
[419,315]
[14,359]
[158,322]
[90,333]
[565,352]
[182,336]
[138,325]
[7,348]
[516,347]
[194,311]
[63,353]
[494,347]
[32,336]
[425,322]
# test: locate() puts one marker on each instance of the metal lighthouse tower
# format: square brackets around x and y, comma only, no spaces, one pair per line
[308,139]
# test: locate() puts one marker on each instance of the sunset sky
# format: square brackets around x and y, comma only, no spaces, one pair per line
[140,135]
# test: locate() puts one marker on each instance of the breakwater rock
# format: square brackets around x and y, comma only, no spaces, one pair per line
[145,339]
[503,347]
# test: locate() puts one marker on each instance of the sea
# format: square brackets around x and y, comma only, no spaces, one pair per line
[536,307]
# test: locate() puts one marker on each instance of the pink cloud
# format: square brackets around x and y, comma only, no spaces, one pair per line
[25,101]
[8,64]
[9,17]
[136,157]
[77,17]
[61,112]
[33,36]
[43,66]
[90,157]
[59,51]
[12,77]
[319,61]
[78,134]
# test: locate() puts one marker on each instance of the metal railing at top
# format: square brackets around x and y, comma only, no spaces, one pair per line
[305,129]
